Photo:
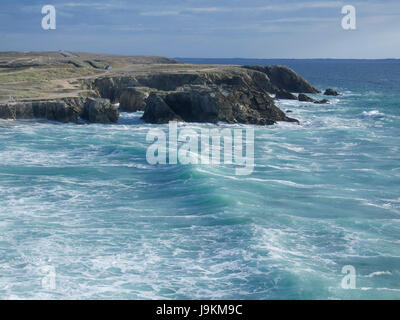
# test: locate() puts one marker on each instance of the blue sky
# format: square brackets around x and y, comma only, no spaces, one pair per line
[206,28]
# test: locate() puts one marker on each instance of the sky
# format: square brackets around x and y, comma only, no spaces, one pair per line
[205,28]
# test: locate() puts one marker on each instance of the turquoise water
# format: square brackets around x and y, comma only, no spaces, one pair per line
[82,199]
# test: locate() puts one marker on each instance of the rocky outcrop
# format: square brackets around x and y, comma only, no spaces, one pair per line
[7,112]
[331,92]
[231,94]
[323,101]
[285,78]
[62,110]
[157,111]
[194,106]
[99,111]
[162,88]
[285,95]
[213,105]
[133,99]
[305,98]
[234,95]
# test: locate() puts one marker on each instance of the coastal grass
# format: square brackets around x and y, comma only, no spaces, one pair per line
[95,64]
[77,63]
[40,82]
[45,74]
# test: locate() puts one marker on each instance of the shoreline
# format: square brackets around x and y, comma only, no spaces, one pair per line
[164,89]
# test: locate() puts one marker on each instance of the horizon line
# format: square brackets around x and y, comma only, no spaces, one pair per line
[208,58]
[288,58]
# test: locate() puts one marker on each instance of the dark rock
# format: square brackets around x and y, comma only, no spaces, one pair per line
[64,113]
[305,98]
[62,110]
[331,92]
[232,95]
[289,111]
[100,111]
[132,100]
[170,81]
[157,111]
[283,94]
[285,78]
[194,106]
[24,111]
[7,112]
[323,101]
[213,105]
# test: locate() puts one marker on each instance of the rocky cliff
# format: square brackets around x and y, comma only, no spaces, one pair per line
[165,91]
[63,110]
[284,78]
[233,95]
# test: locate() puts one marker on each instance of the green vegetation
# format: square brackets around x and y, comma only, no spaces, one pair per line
[77,63]
[39,82]
[44,74]
[95,64]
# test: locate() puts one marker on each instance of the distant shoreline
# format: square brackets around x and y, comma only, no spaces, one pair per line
[183,59]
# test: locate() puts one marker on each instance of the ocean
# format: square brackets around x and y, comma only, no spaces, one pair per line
[83,215]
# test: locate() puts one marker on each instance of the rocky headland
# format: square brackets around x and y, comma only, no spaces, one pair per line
[89,90]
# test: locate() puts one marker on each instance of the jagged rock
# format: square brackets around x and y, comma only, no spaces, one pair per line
[230,105]
[283,94]
[7,112]
[157,111]
[24,111]
[132,100]
[283,77]
[232,94]
[194,106]
[249,106]
[323,101]
[63,110]
[51,110]
[170,81]
[59,111]
[100,111]
[305,98]
[331,92]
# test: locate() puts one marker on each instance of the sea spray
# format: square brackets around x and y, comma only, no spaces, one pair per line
[189,146]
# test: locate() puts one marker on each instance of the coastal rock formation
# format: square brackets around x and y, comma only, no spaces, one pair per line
[213,105]
[323,101]
[133,99]
[285,78]
[7,112]
[157,111]
[331,92]
[305,98]
[189,93]
[283,94]
[66,110]
[62,110]
[99,111]
[233,95]
[162,88]
[194,106]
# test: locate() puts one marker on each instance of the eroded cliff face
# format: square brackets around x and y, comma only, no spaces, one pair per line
[190,93]
[63,110]
[233,95]
[284,78]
